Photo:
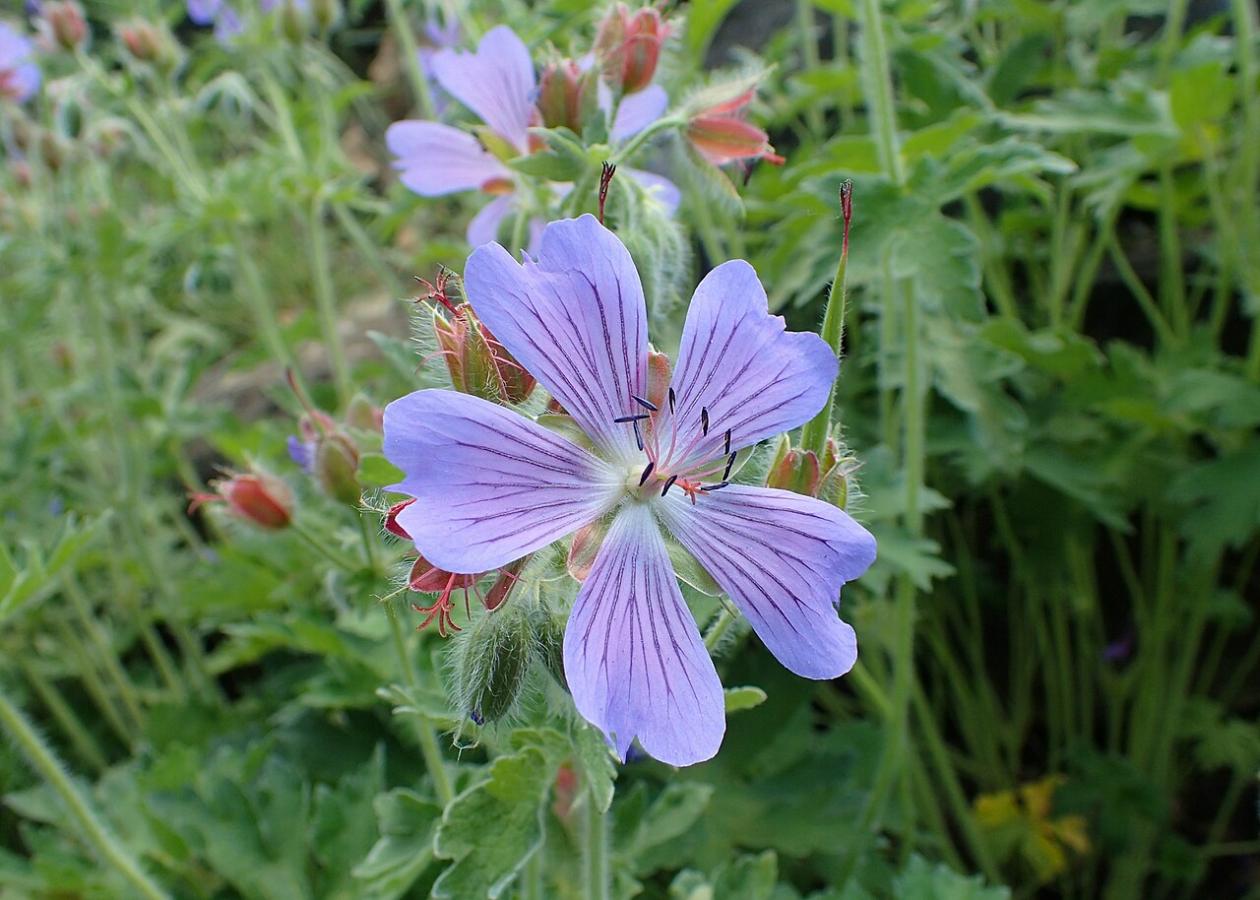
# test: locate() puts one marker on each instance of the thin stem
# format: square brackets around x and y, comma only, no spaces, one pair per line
[1140,293]
[123,687]
[411,57]
[369,545]
[718,629]
[345,563]
[84,743]
[809,59]
[45,762]
[423,727]
[632,146]
[814,434]
[326,300]
[595,852]
[877,78]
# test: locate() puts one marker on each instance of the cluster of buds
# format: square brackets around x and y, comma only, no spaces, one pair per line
[628,47]
[327,450]
[477,363]
[255,497]
[567,95]
[828,478]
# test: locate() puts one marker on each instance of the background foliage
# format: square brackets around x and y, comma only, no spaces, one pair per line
[1052,378]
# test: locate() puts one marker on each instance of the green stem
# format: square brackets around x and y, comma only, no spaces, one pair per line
[369,545]
[93,683]
[84,744]
[1140,293]
[123,687]
[809,59]
[260,305]
[424,728]
[345,563]
[326,300]
[42,759]
[814,434]
[877,78]
[411,57]
[366,246]
[722,624]
[595,852]
[627,152]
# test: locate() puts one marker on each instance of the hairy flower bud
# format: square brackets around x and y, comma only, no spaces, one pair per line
[549,632]
[797,471]
[478,364]
[802,472]
[63,22]
[566,95]
[628,46]
[262,499]
[327,13]
[149,43]
[363,414]
[722,134]
[336,468]
[492,661]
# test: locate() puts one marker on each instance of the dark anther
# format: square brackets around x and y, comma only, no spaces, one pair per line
[605,179]
[634,418]
[728,441]
[671,400]
[730,461]
[669,484]
[716,487]
[704,420]
[647,473]
[638,435]
[647,404]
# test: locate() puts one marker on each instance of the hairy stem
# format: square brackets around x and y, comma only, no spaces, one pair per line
[45,762]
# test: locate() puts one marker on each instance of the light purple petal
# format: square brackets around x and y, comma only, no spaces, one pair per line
[227,25]
[659,188]
[496,82]
[202,12]
[575,319]
[24,81]
[440,35]
[491,486]
[484,226]
[783,558]
[437,159]
[736,361]
[633,657]
[303,453]
[638,111]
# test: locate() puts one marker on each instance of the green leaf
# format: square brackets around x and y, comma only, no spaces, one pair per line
[510,802]
[921,880]
[703,19]
[375,471]
[741,698]
[407,823]
[596,762]
[675,810]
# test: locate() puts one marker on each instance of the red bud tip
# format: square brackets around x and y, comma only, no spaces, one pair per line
[391,519]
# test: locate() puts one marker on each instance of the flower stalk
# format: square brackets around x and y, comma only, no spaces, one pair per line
[44,761]
[816,430]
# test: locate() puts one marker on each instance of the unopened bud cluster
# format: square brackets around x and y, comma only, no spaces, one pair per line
[804,472]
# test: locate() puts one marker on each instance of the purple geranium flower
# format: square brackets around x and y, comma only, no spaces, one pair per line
[497,83]
[224,17]
[19,76]
[494,486]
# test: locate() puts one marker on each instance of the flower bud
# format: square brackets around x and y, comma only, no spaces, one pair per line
[585,547]
[478,364]
[797,471]
[659,373]
[292,22]
[327,13]
[721,133]
[508,576]
[64,23]
[566,95]
[149,43]
[262,499]
[628,46]
[492,662]
[336,465]
[363,414]
[549,633]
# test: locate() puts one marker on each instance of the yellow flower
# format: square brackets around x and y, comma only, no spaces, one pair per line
[1019,825]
